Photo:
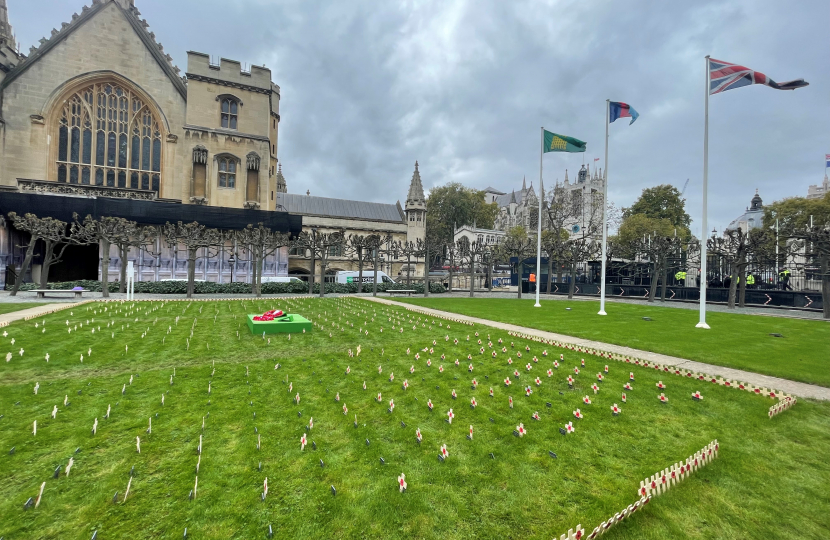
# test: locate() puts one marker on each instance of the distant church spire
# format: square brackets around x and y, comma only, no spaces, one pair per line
[6,33]
[524,184]
[281,185]
[566,176]
[416,190]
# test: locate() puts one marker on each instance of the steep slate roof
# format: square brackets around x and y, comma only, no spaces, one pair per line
[132,15]
[323,206]
[493,190]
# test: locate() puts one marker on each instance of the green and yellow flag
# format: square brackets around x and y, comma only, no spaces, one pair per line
[562,143]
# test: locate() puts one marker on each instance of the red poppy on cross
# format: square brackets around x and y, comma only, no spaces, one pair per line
[450,416]
[402,483]
[578,414]
[521,429]
[444,453]
[302,442]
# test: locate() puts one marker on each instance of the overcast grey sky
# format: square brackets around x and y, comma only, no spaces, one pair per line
[463,87]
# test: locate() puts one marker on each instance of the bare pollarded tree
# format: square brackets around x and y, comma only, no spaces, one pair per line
[321,246]
[56,237]
[469,253]
[517,244]
[361,248]
[119,232]
[193,237]
[262,242]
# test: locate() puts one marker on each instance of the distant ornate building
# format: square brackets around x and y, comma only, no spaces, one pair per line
[753,218]
[817,192]
[520,208]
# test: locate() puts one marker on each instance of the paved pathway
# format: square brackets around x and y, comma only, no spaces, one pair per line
[765,381]
[37,310]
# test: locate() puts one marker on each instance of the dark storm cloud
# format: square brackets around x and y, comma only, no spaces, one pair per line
[463,87]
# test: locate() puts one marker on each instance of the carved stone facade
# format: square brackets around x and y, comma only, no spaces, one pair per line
[521,207]
[118,120]
[97,109]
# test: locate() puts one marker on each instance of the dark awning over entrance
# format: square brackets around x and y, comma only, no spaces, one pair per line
[145,212]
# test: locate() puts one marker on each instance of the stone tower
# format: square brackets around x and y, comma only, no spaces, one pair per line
[416,209]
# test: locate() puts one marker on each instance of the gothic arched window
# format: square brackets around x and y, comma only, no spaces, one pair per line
[230,109]
[109,136]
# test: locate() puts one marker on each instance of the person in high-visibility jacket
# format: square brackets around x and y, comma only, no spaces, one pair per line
[680,276]
[784,277]
[750,280]
[532,282]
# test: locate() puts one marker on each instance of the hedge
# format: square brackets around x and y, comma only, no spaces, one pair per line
[208,287]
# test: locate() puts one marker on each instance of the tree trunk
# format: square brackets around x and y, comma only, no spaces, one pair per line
[191,271]
[123,251]
[664,277]
[572,284]
[322,277]
[48,257]
[449,288]
[733,286]
[105,266]
[653,288]
[550,273]
[408,271]
[520,269]
[27,260]
[472,273]
[311,274]
[260,263]
[426,270]
[742,286]
[359,270]
[489,276]
[825,285]
[375,273]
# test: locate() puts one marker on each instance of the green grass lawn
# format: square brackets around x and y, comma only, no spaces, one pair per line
[770,480]
[9,308]
[735,341]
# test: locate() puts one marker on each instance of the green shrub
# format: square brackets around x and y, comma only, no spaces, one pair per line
[209,287]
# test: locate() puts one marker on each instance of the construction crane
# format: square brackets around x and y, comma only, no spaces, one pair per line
[682,191]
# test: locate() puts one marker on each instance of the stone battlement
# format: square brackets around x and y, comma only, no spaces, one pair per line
[230,71]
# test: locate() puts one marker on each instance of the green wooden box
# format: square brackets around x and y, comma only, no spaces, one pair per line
[287,324]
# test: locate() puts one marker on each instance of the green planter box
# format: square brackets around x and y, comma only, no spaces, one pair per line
[287,324]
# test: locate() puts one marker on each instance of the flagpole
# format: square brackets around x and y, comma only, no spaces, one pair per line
[539,227]
[704,229]
[604,207]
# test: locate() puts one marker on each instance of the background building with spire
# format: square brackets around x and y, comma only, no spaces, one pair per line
[393,222]
[520,207]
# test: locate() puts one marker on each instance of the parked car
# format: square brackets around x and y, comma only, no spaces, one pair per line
[345,276]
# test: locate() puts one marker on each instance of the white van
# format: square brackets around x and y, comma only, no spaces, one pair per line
[281,279]
[368,277]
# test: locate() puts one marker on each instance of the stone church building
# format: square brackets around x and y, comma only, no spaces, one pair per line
[119,130]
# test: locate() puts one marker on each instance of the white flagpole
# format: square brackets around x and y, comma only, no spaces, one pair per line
[539,227]
[604,207]
[704,225]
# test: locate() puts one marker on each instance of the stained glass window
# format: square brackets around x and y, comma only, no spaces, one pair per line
[114,134]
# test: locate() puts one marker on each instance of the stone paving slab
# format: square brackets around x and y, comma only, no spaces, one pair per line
[765,381]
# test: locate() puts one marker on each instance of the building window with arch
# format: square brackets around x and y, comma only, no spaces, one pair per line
[227,171]
[109,136]
[230,111]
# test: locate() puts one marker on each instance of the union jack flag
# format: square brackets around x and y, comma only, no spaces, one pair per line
[725,76]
